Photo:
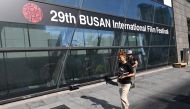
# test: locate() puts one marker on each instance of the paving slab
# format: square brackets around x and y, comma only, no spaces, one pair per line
[161,89]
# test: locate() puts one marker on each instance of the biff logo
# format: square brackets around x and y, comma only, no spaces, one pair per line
[32,12]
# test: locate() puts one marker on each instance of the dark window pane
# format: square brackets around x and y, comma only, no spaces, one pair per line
[157,56]
[172,55]
[173,37]
[132,39]
[72,3]
[160,1]
[113,7]
[158,39]
[135,39]
[117,38]
[28,71]
[141,54]
[86,64]
[140,10]
[163,15]
[3,80]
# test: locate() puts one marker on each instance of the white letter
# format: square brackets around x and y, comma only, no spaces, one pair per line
[102,22]
[96,23]
[89,20]
[82,19]
[72,18]
[108,23]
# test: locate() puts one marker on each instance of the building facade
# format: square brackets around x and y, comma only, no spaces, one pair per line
[48,45]
[182,25]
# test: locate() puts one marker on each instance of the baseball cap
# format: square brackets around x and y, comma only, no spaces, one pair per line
[129,51]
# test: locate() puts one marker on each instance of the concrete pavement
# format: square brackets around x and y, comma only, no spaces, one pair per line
[168,88]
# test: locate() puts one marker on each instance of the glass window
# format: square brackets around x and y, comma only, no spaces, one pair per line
[88,64]
[105,38]
[19,35]
[158,56]
[141,54]
[50,36]
[117,38]
[158,39]
[172,55]
[79,38]
[28,71]
[113,7]
[132,39]
[140,10]
[173,37]
[135,39]
[73,3]
[13,35]
[3,80]
[111,62]
[160,1]
[92,38]
[163,14]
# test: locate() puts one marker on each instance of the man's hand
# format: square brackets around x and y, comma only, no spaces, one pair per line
[131,75]
[136,64]
[126,75]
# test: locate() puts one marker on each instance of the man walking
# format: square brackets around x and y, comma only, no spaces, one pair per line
[134,63]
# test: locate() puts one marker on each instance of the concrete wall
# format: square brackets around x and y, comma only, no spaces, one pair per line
[181,13]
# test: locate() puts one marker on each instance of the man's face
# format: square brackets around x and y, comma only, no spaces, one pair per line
[129,55]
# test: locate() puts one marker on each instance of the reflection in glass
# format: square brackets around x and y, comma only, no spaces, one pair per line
[13,35]
[92,38]
[141,54]
[140,10]
[172,55]
[113,7]
[33,70]
[158,56]
[3,81]
[60,36]
[163,15]
[72,3]
[19,35]
[50,36]
[86,64]
[161,1]
[135,39]
[158,39]
[173,37]
[29,72]
[132,39]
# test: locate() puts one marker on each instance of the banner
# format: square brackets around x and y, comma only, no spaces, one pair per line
[23,11]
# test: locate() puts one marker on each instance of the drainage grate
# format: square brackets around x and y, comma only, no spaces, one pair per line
[182,99]
[61,107]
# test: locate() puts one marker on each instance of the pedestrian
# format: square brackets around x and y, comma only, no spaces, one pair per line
[134,63]
[124,78]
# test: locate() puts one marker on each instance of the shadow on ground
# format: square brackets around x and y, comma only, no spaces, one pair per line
[178,98]
[110,81]
[103,103]
[61,107]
